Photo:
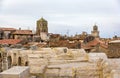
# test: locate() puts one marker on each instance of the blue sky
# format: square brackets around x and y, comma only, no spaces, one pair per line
[63,15]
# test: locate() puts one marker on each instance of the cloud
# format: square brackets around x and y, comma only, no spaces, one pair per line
[61,6]
[1,2]
[75,15]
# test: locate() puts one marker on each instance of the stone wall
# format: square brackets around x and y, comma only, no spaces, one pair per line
[16,72]
[114,50]
[62,62]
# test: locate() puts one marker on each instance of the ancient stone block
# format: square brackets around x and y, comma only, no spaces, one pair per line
[16,72]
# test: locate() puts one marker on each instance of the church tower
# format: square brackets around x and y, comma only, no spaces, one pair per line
[41,26]
[95,31]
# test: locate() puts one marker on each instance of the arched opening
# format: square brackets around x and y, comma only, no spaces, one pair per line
[9,61]
[19,61]
[0,55]
[26,63]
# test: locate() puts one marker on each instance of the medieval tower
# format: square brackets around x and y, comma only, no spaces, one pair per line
[95,31]
[41,26]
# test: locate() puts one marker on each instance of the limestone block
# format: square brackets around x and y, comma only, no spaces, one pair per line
[78,54]
[16,72]
[41,52]
[114,63]
[54,61]
[37,69]
[52,73]
[33,77]
[115,74]
[65,56]
[85,76]
[38,62]
[44,54]
[46,49]
[48,56]
[59,61]
[67,73]
[88,71]
[94,57]
[25,51]
[59,50]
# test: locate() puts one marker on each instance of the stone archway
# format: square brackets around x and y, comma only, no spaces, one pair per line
[19,61]
[26,63]
[9,61]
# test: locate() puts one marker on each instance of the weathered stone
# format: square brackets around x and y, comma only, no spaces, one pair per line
[57,63]
[67,73]
[52,73]
[16,72]
[115,74]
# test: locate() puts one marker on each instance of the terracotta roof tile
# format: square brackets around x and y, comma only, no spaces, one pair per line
[10,41]
[26,32]
[94,43]
[7,29]
[55,35]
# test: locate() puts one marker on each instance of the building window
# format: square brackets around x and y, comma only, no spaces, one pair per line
[19,61]
[9,61]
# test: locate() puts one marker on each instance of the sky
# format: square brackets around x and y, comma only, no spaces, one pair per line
[64,16]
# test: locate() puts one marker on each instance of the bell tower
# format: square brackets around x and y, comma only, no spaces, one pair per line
[42,26]
[95,31]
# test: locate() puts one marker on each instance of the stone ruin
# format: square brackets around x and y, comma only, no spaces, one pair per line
[16,72]
[62,62]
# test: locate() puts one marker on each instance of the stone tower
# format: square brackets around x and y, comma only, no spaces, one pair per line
[41,26]
[95,31]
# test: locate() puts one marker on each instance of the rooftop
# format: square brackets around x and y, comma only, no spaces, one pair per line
[10,41]
[95,42]
[25,32]
[7,29]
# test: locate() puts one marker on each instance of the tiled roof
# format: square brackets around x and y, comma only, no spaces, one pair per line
[24,32]
[10,41]
[7,29]
[63,43]
[94,43]
[55,35]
